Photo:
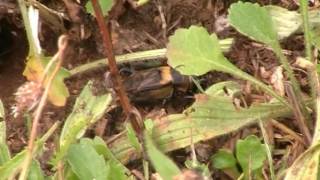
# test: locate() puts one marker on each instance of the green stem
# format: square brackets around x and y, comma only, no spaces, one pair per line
[268,149]
[239,73]
[312,73]
[295,85]
[26,22]
[225,45]
[132,57]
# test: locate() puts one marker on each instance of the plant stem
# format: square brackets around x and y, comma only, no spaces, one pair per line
[38,112]
[238,73]
[26,22]
[268,149]
[118,87]
[225,45]
[295,85]
[132,57]
[312,73]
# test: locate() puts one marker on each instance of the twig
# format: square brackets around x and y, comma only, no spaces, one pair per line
[287,130]
[163,20]
[62,44]
[118,87]
[297,111]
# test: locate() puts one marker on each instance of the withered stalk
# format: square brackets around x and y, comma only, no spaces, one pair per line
[115,78]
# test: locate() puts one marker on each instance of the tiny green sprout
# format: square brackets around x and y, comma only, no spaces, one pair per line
[250,155]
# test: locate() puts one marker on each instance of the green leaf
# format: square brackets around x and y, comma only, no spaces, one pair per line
[14,165]
[114,167]
[4,149]
[209,117]
[87,110]
[188,47]
[133,138]
[148,123]
[306,166]
[194,52]
[105,5]
[68,174]
[58,92]
[250,153]
[162,164]
[86,163]
[223,159]
[253,21]
[285,22]
[35,172]
[114,172]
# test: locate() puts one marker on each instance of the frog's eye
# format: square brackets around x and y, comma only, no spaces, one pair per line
[125,71]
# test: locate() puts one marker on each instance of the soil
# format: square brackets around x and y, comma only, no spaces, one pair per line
[135,30]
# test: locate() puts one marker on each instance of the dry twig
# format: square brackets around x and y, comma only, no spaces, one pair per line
[115,78]
[62,45]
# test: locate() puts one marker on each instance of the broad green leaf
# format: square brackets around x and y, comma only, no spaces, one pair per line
[306,166]
[252,20]
[114,172]
[195,46]
[4,149]
[250,153]
[162,164]
[285,22]
[87,110]
[223,159]
[35,172]
[209,117]
[58,92]
[288,22]
[105,5]
[220,112]
[68,174]
[113,164]
[86,163]
[14,165]
[102,149]
[194,52]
